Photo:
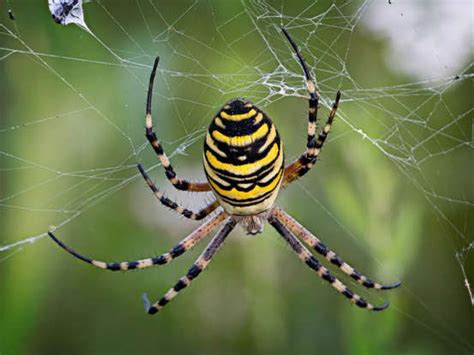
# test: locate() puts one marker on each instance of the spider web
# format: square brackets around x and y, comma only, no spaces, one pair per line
[416,123]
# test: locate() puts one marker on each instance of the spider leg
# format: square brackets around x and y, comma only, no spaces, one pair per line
[187,243]
[322,272]
[173,205]
[179,184]
[199,265]
[313,95]
[313,146]
[308,159]
[298,230]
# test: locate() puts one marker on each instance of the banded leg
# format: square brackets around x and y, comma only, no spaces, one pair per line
[322,272]
[180,184]
[313,95]
[186,244]
[313,146]
[306,161]
[199,265]
[173,205]
[298,230]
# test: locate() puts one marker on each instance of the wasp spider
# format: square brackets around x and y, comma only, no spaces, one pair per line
[244,165]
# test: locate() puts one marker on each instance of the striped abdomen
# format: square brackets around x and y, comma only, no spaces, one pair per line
[243,158]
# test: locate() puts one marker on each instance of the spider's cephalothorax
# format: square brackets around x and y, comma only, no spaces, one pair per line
[243,159]
[243,162]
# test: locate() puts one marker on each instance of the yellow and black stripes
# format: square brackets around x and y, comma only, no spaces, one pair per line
[199,265]
[243,158]
[186,244]
[299,231]
[173,205]
[322,272]
[180,184]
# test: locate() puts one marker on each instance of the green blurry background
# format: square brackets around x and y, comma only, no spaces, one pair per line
[71,133]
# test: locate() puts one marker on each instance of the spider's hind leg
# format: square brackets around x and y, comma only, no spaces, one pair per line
[150,134]
[313,147]
[314,144]
[173,205]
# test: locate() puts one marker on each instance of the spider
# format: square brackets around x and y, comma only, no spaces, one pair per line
[244,165]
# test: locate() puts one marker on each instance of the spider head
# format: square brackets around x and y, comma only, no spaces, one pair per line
[238,106]
[252,224]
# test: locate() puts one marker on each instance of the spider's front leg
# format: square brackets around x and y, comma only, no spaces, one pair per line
[299,231]
[199,265]
[186,244]
[305,256]
[179,184]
